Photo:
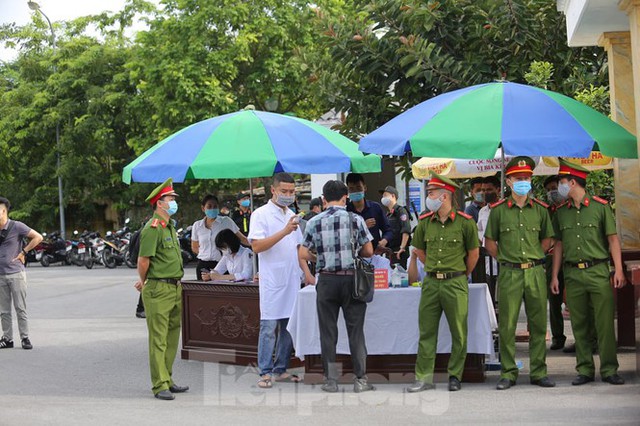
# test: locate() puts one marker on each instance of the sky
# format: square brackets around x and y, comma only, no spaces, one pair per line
[18,12]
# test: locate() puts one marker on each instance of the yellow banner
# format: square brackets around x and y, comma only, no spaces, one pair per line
[595,159]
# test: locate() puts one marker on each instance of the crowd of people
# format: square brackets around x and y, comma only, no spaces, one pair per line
[533,253]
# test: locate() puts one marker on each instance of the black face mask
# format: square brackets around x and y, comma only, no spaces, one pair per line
[490,197]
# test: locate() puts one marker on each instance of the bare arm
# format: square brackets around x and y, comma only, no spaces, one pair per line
[366,250]
[491,246]
[413,267]
[555,269]
[472,259]
[421,254]
[34,239]
[308,276]
[619,279]
[243,239]
[265,244]
[546,243]
[195,247]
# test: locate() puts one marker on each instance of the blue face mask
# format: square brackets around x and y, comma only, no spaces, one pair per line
[173,208]
[356,196]
[212,213]
[245,203]
[522,187]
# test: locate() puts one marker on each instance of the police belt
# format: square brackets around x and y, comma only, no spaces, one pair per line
[445,275]
[586,265]
[173,281]
[526,265]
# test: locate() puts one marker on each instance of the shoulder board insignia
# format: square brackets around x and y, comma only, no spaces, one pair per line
[426,215]
[600,200]
[542,203]
[497,203]
[154,223]
[163,223]
[463,214]
[566,203]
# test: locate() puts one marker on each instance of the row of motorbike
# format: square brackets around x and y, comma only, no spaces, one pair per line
[89,248]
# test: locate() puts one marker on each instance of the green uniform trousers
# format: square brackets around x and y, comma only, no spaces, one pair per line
[556,320]
[513,286]
[589,294]
[452,297]
[163,308]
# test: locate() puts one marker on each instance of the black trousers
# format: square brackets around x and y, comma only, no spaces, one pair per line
[333,293]
[140,307]
[205,264]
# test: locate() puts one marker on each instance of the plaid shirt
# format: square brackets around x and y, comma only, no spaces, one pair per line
[328,234]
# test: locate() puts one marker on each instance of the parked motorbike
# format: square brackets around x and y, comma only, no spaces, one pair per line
[78,249]
[185,245]
[55,250]
[95,245]
[116,246]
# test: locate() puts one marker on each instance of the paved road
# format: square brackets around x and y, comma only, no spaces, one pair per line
[89,366]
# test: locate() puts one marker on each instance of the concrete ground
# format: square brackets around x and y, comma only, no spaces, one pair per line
[89,367]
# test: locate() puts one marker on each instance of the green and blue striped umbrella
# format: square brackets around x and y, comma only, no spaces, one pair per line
[472,123]
[249,144]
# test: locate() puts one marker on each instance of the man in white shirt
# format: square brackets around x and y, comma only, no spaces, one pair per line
[204,232]
[275,237]
[491,189]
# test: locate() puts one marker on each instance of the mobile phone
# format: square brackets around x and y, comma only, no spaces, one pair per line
[296,219]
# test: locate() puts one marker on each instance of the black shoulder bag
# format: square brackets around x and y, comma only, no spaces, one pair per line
[363,279]
[5,232]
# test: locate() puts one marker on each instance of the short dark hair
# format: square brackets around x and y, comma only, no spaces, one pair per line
[354,178]
[476,181]
[580,181]
[6,203]
[282,177]
[334,190]
[551,179]
[210,197]
[493,181]
[315,202]
[227,239]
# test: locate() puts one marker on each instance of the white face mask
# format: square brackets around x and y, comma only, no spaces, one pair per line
[386,201]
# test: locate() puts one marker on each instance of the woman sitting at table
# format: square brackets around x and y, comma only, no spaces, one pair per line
[236,264]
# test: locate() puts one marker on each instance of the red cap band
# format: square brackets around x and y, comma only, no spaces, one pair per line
[568,170]
[521,167]
[437,182]
[164,191]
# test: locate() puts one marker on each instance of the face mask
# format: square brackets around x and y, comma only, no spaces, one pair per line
[356,196]
[212,213]
[563,190]
[434,204]
[490,197]
[522,187]
[285,200]
[554,196]
[245,203]
[479,197]
[173,208]
[386,201]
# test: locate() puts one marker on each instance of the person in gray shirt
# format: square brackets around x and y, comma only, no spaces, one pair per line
[13,280]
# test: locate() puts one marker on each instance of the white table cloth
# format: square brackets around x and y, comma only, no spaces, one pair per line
[391,323]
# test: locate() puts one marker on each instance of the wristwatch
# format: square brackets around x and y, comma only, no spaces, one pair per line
[24,252]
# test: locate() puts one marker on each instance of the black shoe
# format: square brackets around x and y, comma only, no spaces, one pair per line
[557,344]
[140,314]
[330,386]
[545,382]
[454,384]
[165,395]
[5,343]
[504,384]
[26,343]
[570,349]
[420,386]
[613,379]
[178,389]
[581,380]
[361,385]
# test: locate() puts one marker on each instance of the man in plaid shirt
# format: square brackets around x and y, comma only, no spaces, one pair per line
[328,234]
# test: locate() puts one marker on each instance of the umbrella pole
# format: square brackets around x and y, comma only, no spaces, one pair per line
[502,173]
[255,255]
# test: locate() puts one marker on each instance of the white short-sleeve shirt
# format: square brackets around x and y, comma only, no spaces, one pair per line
[280,273]
[239,264]
[483,219]
[206,237]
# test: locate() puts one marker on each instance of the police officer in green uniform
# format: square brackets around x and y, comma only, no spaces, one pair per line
[400,224]
[447,242]
[519,233]
[160,271]
[585,235]
[556,321]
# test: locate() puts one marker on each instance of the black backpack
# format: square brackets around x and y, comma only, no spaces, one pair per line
[134,246]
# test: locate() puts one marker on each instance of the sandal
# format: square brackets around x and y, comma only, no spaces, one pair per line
[288,378]
[265,382]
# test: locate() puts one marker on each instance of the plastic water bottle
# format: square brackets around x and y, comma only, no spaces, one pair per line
[396,280]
